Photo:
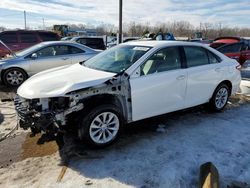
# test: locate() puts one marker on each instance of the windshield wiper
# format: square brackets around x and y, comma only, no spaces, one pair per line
[82,63]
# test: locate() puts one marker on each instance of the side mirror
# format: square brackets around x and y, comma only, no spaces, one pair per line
[246,64]
[34,56]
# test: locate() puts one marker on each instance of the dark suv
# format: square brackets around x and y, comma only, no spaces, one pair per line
[92,42]
[20,39]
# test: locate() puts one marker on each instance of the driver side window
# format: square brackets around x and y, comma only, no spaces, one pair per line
[46,52]
[53,51]
[164,60]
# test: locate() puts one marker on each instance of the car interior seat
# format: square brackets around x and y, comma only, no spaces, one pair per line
[152,64]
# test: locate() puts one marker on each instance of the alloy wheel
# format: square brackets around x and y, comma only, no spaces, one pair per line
[14,77]
[221,98]
[104,127]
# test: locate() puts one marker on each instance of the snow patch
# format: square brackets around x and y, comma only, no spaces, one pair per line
[148,159]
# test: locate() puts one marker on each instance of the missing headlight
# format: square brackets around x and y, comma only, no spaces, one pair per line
[59,103]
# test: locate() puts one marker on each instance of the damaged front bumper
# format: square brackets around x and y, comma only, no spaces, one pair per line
[43,114]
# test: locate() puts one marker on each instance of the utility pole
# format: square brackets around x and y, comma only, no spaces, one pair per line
[120,22]
[24,14]
[43,24]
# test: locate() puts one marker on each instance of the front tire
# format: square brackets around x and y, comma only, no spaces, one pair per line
[14,77]
[219,98]
[101,126]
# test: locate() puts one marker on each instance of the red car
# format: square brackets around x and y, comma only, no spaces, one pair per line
[220,41]
[239,51]
[20,39]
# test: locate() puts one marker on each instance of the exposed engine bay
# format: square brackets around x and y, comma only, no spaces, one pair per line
[52,114]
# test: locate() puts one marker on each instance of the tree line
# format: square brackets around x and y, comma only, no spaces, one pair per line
[178,28]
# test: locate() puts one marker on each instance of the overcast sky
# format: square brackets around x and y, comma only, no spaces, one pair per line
[228,12]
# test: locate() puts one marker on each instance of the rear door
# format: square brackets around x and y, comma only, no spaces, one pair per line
[50,57]
[27,39]
[161,87]
[204,73]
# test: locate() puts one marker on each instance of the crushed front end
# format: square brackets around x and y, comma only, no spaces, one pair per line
[45,114]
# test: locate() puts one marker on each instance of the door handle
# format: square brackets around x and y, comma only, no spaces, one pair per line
[65,58]
[180,77]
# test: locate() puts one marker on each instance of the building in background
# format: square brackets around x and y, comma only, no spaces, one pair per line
[65,30]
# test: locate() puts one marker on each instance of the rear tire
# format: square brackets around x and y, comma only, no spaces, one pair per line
[14,77]
[219,98]
[101,126]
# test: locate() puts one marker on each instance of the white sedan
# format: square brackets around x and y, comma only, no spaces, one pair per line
[127,83]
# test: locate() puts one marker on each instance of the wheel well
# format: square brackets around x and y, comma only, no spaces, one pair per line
[228,83]
[3,71]
[97,100]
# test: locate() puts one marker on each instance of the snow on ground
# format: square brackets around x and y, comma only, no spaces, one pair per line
[160,152]
[8,119]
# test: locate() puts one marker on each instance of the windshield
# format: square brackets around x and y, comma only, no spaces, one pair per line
[28,50]
[117,59]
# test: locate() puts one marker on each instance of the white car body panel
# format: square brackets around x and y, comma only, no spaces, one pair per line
[201,83]
[233,76]
[162,92]
[59,81]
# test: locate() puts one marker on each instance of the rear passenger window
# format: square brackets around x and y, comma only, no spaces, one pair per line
[74,50]
[164,60]
[213,58]
[9,37]
[28,37]
[231,48]
[196,56]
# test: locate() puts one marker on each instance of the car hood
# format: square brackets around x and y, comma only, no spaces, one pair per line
[9,60]
[61,80]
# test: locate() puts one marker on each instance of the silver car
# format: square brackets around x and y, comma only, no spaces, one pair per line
[16,69]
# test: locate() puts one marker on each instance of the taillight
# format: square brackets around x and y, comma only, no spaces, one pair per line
[238,67]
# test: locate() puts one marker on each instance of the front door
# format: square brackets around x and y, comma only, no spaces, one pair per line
[50,57]
[161,86]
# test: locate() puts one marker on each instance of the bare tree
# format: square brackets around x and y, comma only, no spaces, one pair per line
[2,28]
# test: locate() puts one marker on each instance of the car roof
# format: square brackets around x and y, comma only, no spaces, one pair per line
[159,44]
[58,42]
[86,37]
[67,42]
